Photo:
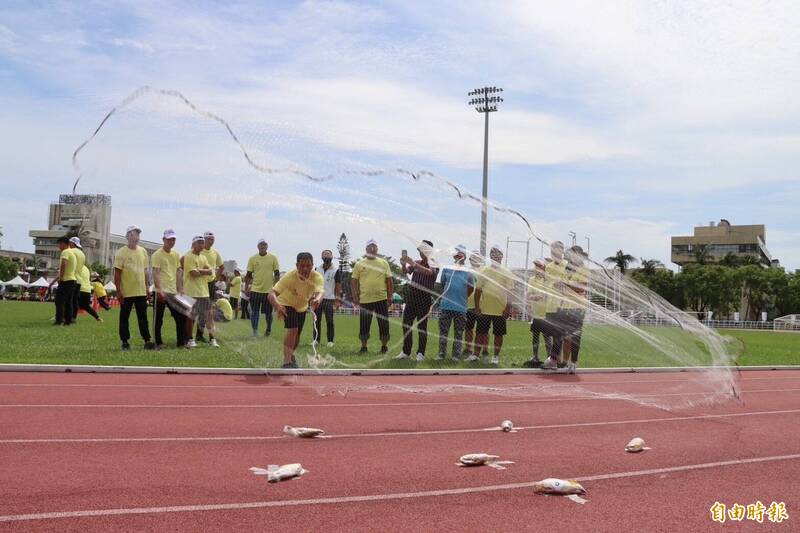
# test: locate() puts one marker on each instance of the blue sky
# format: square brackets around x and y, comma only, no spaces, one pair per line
[627,122]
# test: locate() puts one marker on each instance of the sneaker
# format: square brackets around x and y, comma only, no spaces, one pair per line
[473,358]
[402,355]
[441,357]
[550,363]
[561,365]
[384,349]
[149,346]
[532,363]
[267,333]
[99,319]
[126,347]
[420,357]
[363,349]
[213,343]
[495,360]
[330,344]
[571,367]
[191,343]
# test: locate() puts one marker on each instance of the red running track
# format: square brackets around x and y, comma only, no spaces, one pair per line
[96,452]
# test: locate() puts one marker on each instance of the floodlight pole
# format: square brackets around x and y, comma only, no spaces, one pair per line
[485,104]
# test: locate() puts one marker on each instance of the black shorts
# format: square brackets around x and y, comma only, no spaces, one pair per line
[471,319]
[234,303]
[294,318]
[201,307]
[565,322]
[212,291]
[497,323]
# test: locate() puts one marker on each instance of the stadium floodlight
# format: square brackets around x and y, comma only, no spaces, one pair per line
[485,104]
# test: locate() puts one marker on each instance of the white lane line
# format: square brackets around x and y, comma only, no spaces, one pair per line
[395,433]
[256,387]
[379,497]
[599,395]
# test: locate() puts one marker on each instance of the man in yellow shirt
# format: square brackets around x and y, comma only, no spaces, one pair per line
[130,277]
[537,303]
[235,291]
[215,261]
[492,304]
[291,298]
[100,291]
[555,278]
[76,248]
[166,263]
[577,285]
[85,297]
[195,270]
[66,284]
[372,289]
[262,273]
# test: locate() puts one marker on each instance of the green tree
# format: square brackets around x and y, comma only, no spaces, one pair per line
[621,260]
[760,287]
[649,267]
[702,254]
[665,283]
[8,269]
[710,288]
[787,300]
[100,268]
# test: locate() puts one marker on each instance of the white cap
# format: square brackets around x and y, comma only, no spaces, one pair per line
[169,234]
[197,238]
[497,247]
[371,242]
[76,241]
[133,228]
[461,249]
[208,234]
[262,240]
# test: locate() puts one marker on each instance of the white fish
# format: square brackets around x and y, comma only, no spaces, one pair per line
[507,426]
[277,473]
[303,433]
[636,445]
[479,459]
[561,487]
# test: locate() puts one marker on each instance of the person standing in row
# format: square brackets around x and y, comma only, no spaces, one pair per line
[130,278]
[475,264]
[418,306]
[537,304]
[556,276]
[215,261]
[492,305]
[263,272]
[291,298]
[372,289]
[235,291]
[331,297]
[166,262]
[574,307]
[195,271]
[457,286]
[66,284]
[77,250]
[85,296]
[100,291]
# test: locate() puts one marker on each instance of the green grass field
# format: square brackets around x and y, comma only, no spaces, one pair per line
[28,337]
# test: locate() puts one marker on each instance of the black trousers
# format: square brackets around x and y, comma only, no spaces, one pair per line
[416,309]
[76,297]
[64,307]
[245,308]
[140,302]
[539,327]
[381,311]
[102,301]
[325,308]
[177,316]
[260,302]
[85,303]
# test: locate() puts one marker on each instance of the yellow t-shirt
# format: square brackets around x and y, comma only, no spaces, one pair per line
[84,277]
[576,278]
[235,289]
[495,284]
[214,261]
[263,268]
[69,268]
[196,287]
[225,306]
[296,292]
[555,273]
[167,264]
[133,264]
[80,261]
[99,289]
[372,275]
[537,295]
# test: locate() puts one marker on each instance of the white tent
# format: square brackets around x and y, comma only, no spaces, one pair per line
[41,282]
[110,286]
[16,282]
